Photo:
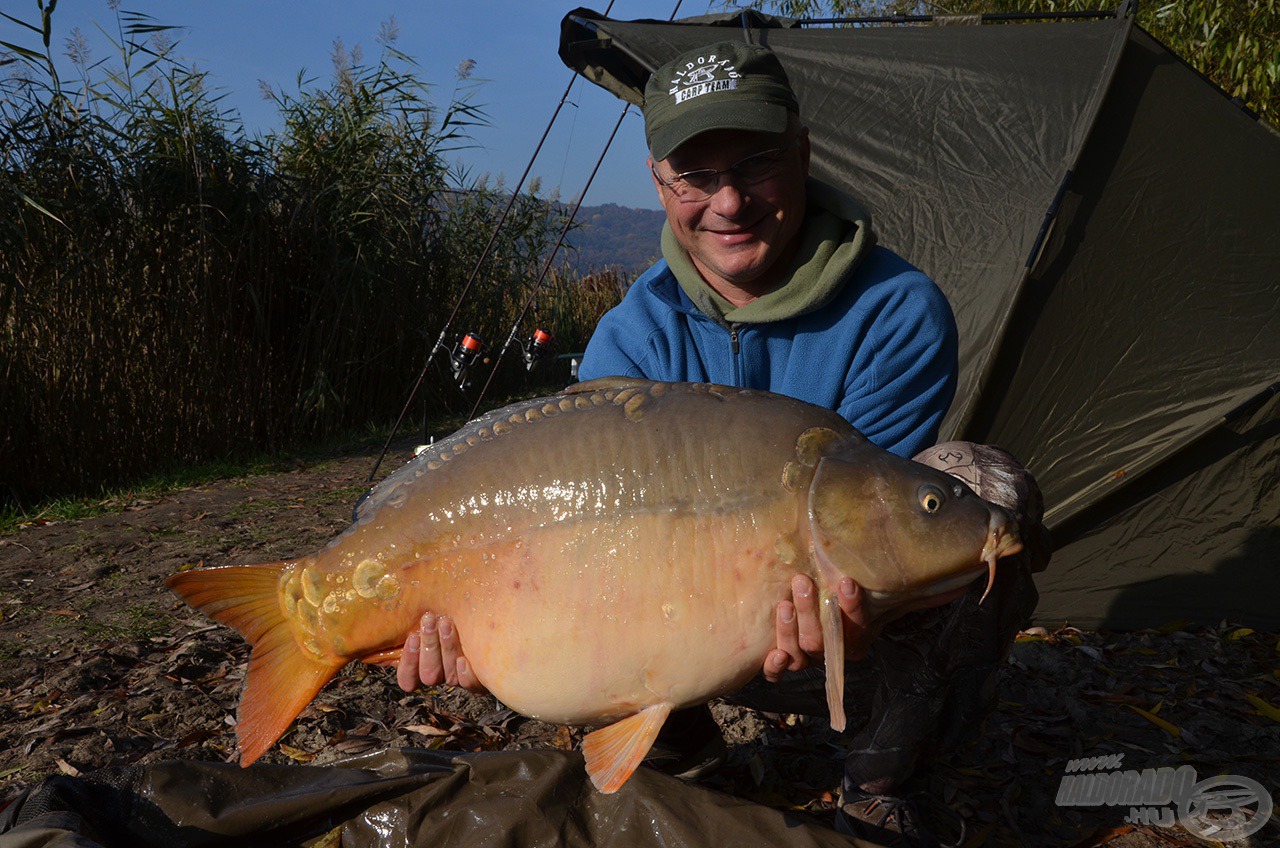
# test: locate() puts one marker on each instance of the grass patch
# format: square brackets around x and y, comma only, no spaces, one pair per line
[134,623]
[114,499]
[345,495]
[316,456]
[250,507]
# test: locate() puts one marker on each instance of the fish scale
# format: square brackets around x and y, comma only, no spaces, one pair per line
[608,555]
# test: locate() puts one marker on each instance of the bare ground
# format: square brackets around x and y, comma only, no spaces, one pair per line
[100,665]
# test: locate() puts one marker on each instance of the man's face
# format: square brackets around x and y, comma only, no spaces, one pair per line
[737,236]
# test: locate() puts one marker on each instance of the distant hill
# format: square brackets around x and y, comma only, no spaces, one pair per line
[613,236]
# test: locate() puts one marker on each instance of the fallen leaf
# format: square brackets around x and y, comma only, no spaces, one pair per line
[1263,707]
[297,754]
[1104,835]
[64,611]
[332,839]
[66,767]
[1168,727]
[425,730]
[1237,635]
[981,836]
[195,737]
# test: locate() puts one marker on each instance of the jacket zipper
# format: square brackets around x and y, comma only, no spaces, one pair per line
[737,367]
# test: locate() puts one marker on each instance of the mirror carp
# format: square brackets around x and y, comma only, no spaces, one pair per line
[609,554]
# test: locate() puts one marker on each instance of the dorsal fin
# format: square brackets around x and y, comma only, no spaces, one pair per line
[601,383]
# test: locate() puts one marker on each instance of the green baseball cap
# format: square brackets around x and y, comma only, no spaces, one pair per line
[725,86]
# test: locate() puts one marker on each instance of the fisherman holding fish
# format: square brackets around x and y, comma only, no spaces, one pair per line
[771,279]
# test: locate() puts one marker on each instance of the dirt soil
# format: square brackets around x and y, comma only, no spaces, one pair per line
[100,665]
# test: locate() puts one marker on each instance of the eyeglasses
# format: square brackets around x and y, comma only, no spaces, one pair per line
[699,184]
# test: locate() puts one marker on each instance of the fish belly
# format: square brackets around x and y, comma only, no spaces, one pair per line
[581,625]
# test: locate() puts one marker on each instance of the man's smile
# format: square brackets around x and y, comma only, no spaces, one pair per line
[732,234]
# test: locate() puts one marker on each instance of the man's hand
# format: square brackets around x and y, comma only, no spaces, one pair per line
[799,627]
[433,655]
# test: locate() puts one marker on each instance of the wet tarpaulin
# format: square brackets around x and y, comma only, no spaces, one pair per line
[395,798]
[1104,221]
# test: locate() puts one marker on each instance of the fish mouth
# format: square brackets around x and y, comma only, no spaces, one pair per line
[933,595]
[1002,540]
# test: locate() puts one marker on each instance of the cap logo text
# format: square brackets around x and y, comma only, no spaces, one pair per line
[704,75]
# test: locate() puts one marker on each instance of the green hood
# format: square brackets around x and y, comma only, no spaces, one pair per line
[835,237]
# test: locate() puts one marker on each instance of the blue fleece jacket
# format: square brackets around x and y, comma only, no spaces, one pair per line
[882,353]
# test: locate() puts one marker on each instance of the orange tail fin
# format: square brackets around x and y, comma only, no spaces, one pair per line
[281,679]
[613,753]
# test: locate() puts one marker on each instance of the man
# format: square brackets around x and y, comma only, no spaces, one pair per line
[772,280]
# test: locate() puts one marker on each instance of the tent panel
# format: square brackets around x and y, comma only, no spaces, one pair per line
[1156,309]
[1196,540]
[957,139]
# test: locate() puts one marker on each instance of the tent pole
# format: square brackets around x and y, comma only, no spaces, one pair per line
[990,17]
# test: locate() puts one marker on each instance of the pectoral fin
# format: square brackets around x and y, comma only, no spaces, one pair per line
[388,657]
[614,752]
[833,659]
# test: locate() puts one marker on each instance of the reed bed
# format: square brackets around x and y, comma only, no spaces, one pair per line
[173,290]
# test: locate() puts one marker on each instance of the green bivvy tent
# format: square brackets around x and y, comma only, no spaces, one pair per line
[1106,223]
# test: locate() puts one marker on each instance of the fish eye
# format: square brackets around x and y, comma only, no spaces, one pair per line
[931,498]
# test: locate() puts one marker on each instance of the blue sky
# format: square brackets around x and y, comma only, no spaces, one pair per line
[513,44]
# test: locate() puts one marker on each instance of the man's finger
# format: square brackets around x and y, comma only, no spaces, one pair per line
[467,677]
[805,595]
[449,650]
[407,668]
[430,669]
[457,669]
[857,633]
[775,662]
[852,603]
[787,630]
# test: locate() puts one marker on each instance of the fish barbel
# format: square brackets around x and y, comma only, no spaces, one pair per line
[609,554]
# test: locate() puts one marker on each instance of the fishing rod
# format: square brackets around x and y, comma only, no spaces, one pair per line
[546,267]
[471,349]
